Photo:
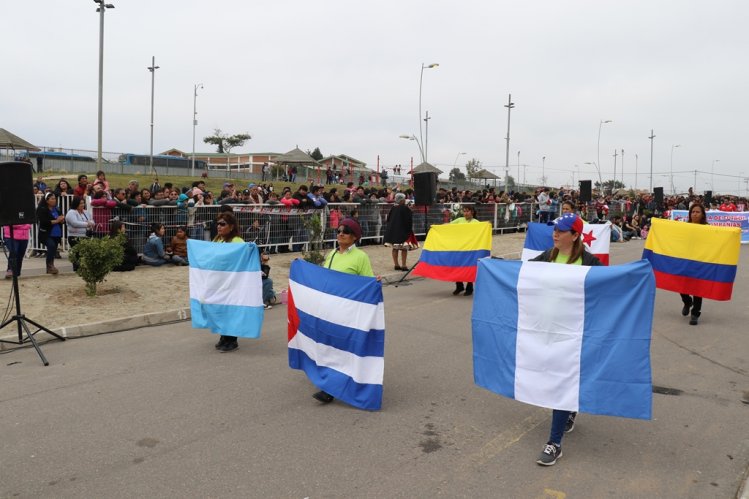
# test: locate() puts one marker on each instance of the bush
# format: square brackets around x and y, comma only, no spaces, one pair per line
[95,258]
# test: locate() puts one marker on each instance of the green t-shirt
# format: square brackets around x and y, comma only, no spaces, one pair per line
[563,259]
[353,261]
[462,220]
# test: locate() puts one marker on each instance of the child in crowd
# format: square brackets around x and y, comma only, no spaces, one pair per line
[269,296]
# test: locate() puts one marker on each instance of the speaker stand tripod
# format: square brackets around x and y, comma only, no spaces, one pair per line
[22,322]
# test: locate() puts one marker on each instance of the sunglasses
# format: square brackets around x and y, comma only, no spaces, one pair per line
[344,230]
[222,223]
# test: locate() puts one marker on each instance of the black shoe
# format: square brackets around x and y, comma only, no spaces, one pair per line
[323,397]
[229,347]
[685,310]
[693,320]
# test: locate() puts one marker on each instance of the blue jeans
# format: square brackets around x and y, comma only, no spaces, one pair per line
[558,421]
[17,249]
[51,245]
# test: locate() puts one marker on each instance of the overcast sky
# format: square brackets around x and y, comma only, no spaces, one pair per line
[344,76]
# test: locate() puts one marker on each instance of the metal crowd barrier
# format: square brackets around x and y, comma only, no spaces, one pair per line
[277,228]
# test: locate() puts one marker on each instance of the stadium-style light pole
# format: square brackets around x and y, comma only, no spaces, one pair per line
[421,81]
[194,123]
[673,146]
[152,68]
[101,9]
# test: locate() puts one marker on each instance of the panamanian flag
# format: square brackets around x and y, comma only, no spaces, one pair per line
[596,240]
[226,289]
[337,332]
[565,337]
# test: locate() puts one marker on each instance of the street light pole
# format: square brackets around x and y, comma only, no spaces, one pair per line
[652,136]
[598,150]
[509,107]
[673,190]
[194,124]
[421,80]
[152,68]
[101,9]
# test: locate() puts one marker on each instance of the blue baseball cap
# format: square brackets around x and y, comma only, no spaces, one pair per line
[567,222]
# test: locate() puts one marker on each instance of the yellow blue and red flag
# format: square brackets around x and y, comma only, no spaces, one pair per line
[452,251]
[693,259]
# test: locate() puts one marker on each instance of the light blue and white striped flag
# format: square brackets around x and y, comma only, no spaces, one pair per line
[565,336]
[226,290]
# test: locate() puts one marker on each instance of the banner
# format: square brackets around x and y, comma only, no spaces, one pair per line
[563,337]
[738,219]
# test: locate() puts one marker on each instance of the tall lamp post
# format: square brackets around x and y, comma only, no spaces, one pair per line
[421,80]
[673,146]
[510,105]
[101,9]
[598,150]
[194,123]
[152,68]
[712,175]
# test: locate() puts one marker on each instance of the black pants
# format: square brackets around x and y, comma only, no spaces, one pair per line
[695,302]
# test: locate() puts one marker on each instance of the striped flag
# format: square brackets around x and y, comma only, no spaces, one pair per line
[226,291]
[596,239]
[451,251]
[564,337]
[337,332]
[693,259]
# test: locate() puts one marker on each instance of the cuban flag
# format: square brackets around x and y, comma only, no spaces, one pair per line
[565,337]
[226,290]
[539,238]
[337,332]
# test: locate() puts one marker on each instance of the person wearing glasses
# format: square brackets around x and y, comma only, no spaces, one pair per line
[349,259]
[227,231]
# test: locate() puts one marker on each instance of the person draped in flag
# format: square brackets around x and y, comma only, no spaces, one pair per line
[568,249]
[227,232]
[469,217]
[697,215]
[349,259]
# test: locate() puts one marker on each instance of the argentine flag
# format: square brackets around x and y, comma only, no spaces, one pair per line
[337,332]
[226,291]
[565,336]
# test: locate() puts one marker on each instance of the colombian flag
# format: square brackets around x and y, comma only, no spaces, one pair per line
[451,251]
[693,259]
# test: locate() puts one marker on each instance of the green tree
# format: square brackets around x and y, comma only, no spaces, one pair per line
[225,143]
[456,174]
[95,258]
[473,167]
[316,154]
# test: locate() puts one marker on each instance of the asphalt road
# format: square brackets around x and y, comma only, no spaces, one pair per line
[157,412]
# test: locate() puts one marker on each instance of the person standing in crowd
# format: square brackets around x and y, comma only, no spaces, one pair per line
[16,238]
[227,232]
[697,215]
[349,259]
[398,231]
[78,222]
[568,249]
[50,228]
[469,217]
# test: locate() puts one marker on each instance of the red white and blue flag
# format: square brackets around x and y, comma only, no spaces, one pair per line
[337,332]
[596,239]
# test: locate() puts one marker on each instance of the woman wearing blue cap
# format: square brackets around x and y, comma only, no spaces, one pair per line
[568,249]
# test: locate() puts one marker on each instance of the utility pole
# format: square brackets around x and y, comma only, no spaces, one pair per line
[509,107]
[652,136]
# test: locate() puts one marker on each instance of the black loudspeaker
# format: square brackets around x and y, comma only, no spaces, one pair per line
[708,199]
[17,204]
[586,191]
[425,188]
[658,195]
